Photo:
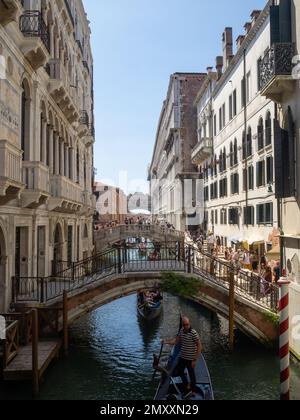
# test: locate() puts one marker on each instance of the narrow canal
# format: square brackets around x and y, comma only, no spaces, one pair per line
[111,357]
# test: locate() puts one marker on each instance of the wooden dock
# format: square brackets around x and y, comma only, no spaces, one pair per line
[20,368]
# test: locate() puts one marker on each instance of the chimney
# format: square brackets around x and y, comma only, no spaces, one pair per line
[209,70]
[255,15]
[239,41]
[248,27]
[219,66]
[227,47]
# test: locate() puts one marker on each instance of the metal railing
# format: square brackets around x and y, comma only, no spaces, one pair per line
[32,24]
[168,257]
[249,285]
[276,62]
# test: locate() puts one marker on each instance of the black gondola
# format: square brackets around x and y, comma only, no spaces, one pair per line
[171,386]
[149,309]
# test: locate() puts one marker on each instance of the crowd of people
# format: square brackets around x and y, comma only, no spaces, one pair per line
[241,258]
[134,220]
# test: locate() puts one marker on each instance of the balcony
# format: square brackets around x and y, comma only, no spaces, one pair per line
[89,201]
[62,91]
[83,129]
[275,71]
[36,180]
[36,44]
[66,195]
[10,11]
[202,151]
[10,172]
[89,138]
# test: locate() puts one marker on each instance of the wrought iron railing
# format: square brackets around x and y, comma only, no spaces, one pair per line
[276,62]
[32,24]
[168,257]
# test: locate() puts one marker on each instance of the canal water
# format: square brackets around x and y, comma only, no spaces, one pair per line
[111,357]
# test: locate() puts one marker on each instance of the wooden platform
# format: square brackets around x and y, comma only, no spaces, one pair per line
[20,369]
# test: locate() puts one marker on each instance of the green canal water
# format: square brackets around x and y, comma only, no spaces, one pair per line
[111,358]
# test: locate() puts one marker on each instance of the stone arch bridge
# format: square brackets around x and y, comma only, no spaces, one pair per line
[108,237]
[119,272]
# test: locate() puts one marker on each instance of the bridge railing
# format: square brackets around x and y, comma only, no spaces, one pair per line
[248,284]
[117,260]
[151,258]
[137,230]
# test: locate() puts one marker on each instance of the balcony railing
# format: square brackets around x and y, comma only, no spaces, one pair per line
[62,187]
[33,25]
[202,150]
[10,164]
[36,176]
[276,62]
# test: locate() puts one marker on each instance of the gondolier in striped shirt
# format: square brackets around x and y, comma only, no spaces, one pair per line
[190,351]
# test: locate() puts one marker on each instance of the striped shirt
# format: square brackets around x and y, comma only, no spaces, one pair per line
[188,343]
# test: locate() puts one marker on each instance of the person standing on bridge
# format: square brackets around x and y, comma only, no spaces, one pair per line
[190,351]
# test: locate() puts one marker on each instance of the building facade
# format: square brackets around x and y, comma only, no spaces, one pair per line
[46,138]
[280,82]
[112,203]
[235,151]
[172,174]
[248,142]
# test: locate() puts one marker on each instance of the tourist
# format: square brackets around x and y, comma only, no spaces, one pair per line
[268,278]
[246,261]
[254,261]
[277,272]
[190,351]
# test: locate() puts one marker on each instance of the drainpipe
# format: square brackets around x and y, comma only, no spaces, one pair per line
[279,214]
[246,136]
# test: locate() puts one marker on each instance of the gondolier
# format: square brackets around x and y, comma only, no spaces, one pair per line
[190,351]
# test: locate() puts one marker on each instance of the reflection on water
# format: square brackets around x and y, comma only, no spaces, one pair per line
[111,357]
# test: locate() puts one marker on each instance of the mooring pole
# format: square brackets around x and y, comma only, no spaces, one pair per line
[231,309]
[35,352]
[284,339]
[65,323]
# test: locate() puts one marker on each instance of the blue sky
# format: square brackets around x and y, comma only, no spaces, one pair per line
[136,45]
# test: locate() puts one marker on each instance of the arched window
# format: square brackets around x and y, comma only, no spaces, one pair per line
[231,154]
[249,142]
[25,121]
[244,145]
[85,231]
[235,153]
[260,135]
[215,166]
[224,159]
[268,131]
[77,166]
[221,162]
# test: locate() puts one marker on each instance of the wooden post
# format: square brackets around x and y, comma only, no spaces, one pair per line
[231,310]
[119,260]
[189,260]
[35,352]
[65,323]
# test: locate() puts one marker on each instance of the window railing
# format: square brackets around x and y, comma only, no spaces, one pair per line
[276,62]
[33,25]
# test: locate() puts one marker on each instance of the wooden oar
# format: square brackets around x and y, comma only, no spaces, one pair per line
[160,353]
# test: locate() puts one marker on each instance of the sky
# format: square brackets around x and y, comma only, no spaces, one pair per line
[137,45]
